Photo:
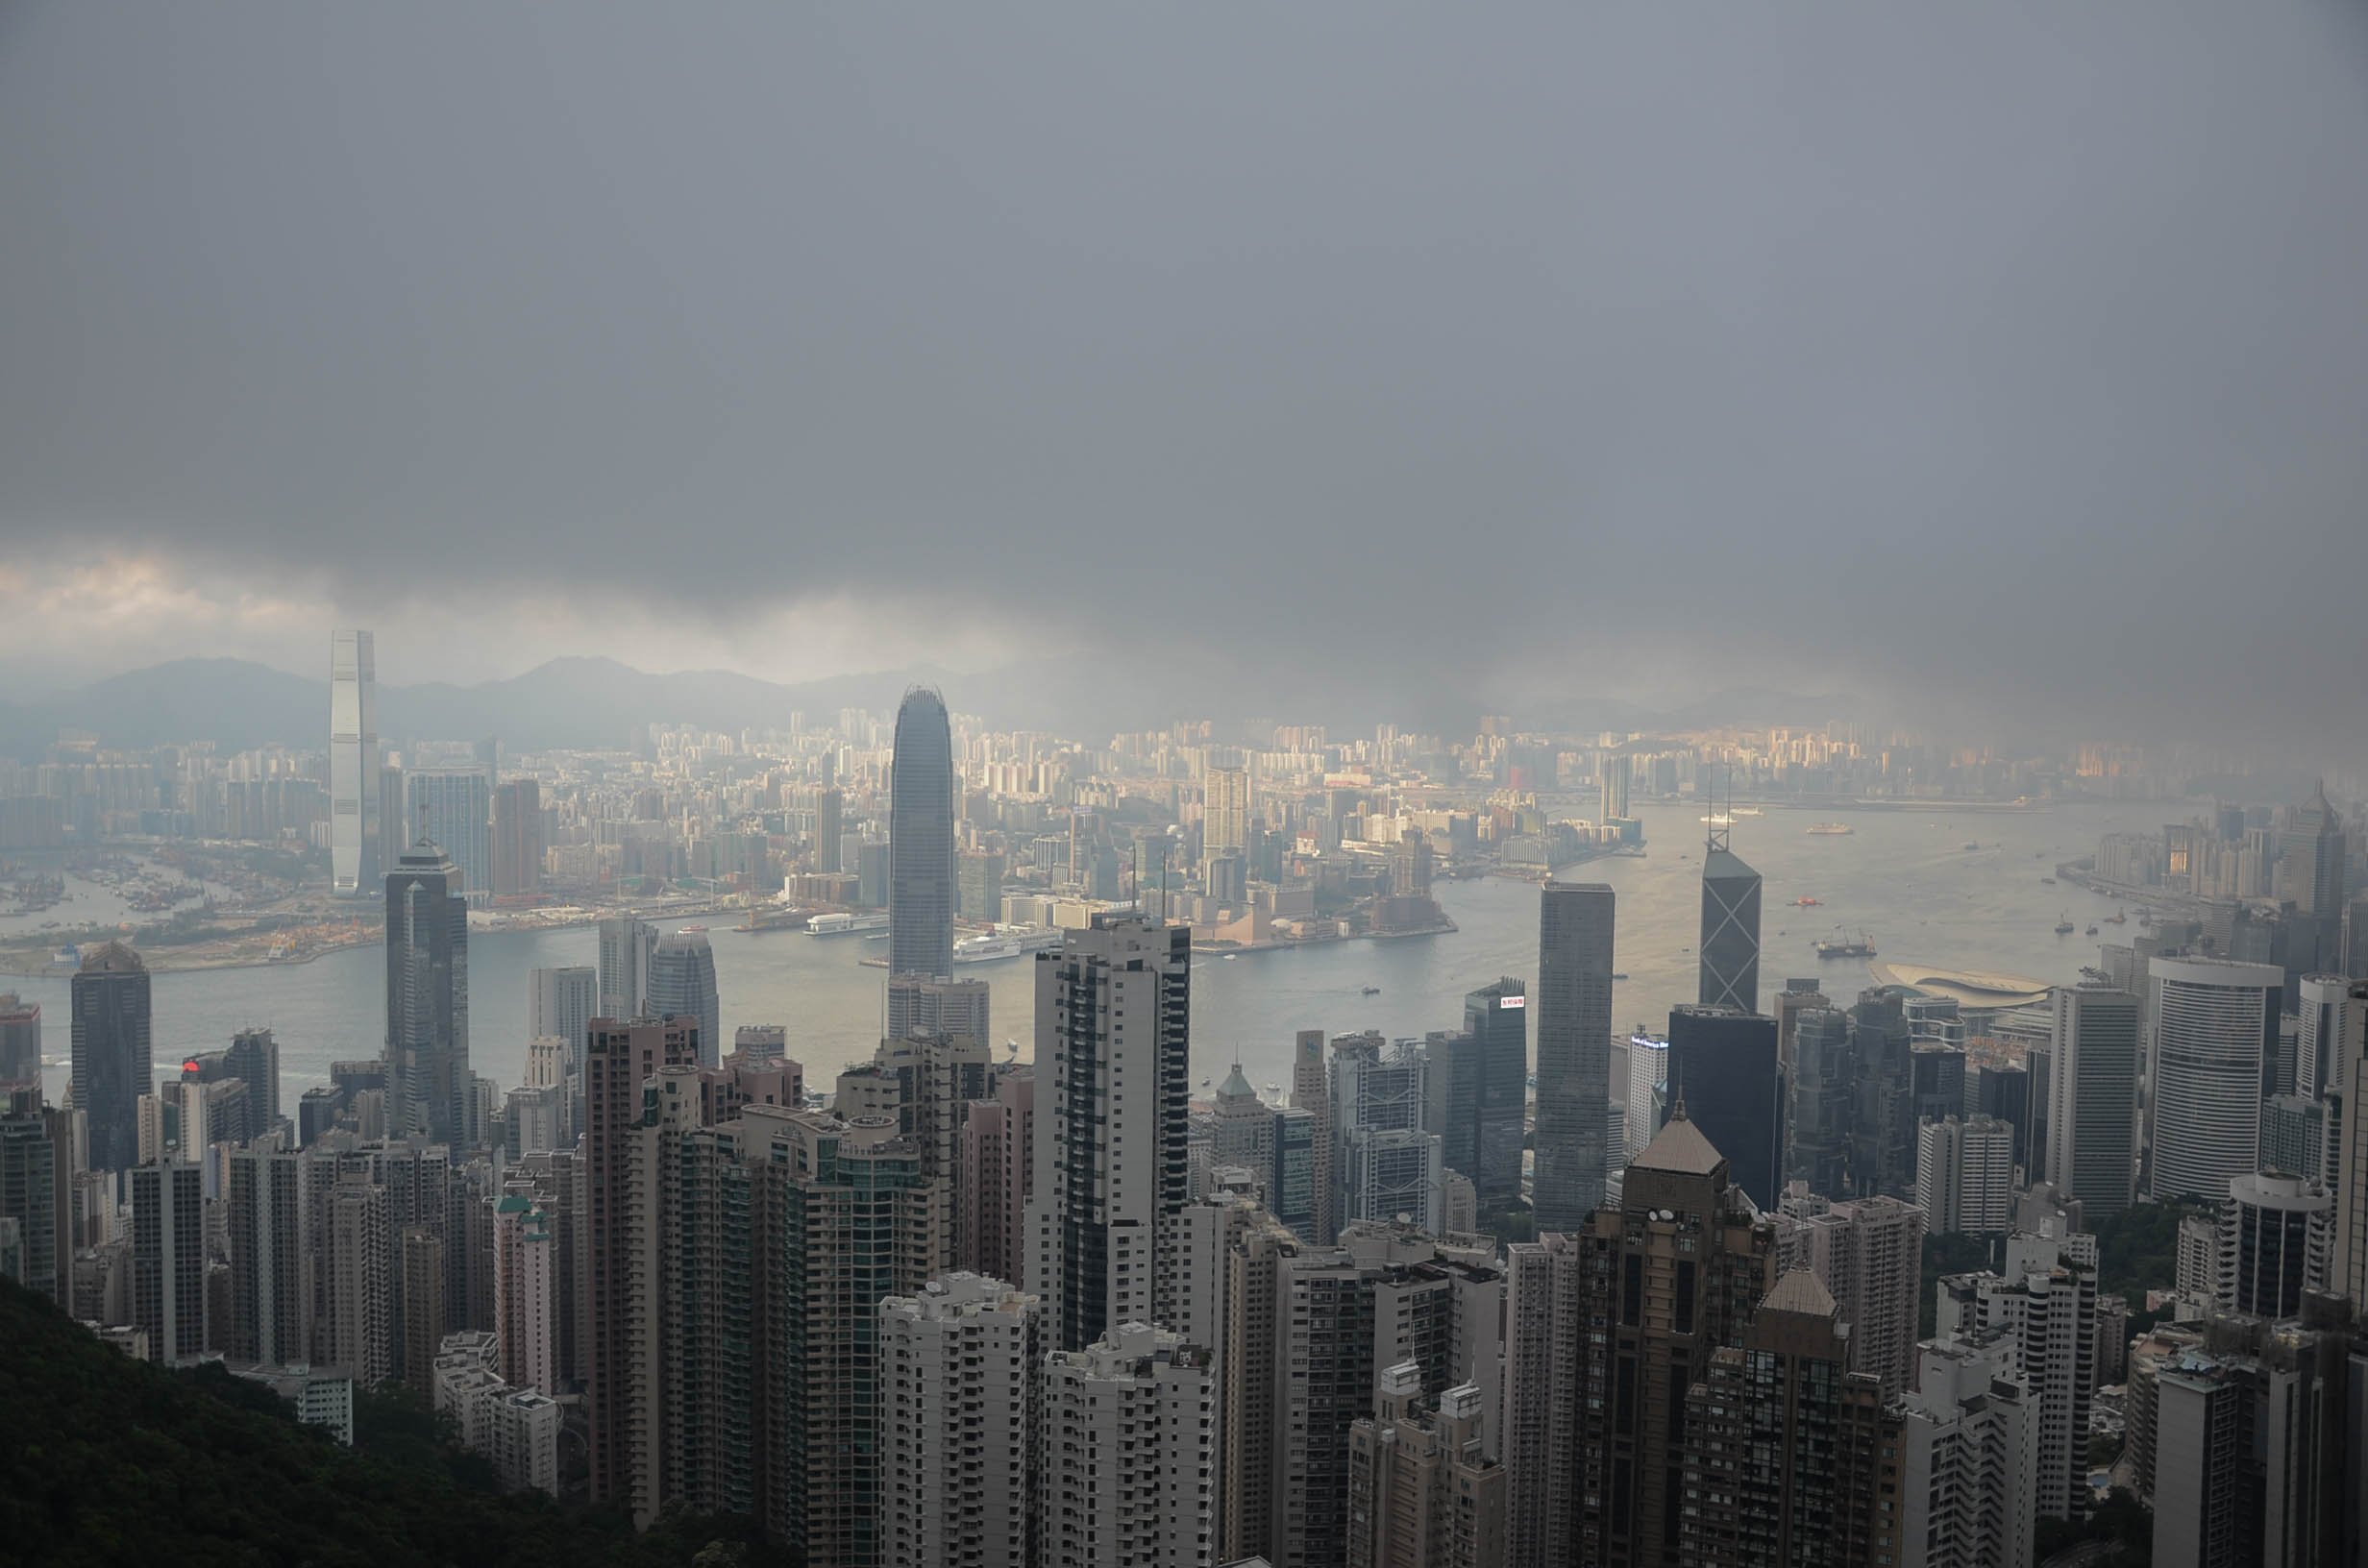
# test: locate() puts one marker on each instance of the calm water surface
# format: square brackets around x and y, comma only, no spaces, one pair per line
[1905,877]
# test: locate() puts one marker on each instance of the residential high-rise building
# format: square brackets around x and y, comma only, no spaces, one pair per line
[2214,1048]
[1311,1092]
[960,1380]
[1128,1452]
[252,1058]
[1615,788]
[932,1005]
[628,948]
[526,1295]
[517,838]
[1539,1433]
[683,985]
[1224,823]
[1672,1275]
[168,1259]
[270,1225]
[423,1306]
[352,766]
[998,1172]
[1964,1175]
[1113,1043]
[430,1088]
[1421,1494]
[1574,1051]
[2276,1233]
[1730,946]
[1969,1451]
[2093,1077]
[112,1064]
[1787,1453]
[829,811]
[618,1365]
[2044,1300]
[453,807]
[920,846]
[561,1004]
[1723,1063]
[1870,1255]
[354,1324]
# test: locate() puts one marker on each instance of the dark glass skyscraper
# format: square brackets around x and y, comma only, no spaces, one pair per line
[428,998]
[1496,1019]
[1730,933]
[1574,1050]
[683,985]
[112,1064]
[1722,1064]
[920,856]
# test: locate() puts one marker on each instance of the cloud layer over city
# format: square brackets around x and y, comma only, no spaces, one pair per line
[2008,359]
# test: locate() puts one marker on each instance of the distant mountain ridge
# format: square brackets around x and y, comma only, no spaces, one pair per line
[581,703]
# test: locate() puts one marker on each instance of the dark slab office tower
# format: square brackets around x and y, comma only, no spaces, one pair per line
[1730,927]
[428,998]
[112,1065]
[1496,1018]
[921,859]
[1723,1068]
[1574,1050]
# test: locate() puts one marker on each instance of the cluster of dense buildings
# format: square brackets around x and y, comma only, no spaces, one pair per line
[949,1308]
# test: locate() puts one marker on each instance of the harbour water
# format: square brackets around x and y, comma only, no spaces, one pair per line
[1903,876]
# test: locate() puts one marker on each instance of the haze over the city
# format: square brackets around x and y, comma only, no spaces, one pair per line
[2001,360]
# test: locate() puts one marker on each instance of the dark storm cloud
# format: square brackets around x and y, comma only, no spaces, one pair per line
[2008,354]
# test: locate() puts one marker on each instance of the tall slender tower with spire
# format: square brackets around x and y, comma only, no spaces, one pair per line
[920,854]
[1730,946]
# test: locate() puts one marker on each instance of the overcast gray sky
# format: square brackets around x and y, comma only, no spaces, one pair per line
[2012,356]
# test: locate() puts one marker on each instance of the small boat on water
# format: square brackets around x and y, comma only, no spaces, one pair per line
[1619,974]
[1373,990]
[2092,930]
[2117,917]
[2048,881]
[2064,925]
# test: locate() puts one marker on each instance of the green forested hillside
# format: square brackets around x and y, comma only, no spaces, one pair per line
[110,1460]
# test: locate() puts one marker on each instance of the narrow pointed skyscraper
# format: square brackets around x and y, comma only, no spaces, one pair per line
[921,857]
[353,764]
[1730,924]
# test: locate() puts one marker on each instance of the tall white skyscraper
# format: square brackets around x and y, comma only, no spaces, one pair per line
[627,948]
[2216,1041]
[561,1004]
[1113,1080]
[353,764]
[2318,1033]
[1964,1174]
[2045,1302]
[1648,1079]
[960,1374]
[1969,1443]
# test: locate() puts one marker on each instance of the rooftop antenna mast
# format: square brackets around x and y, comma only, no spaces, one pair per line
[1716,819]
